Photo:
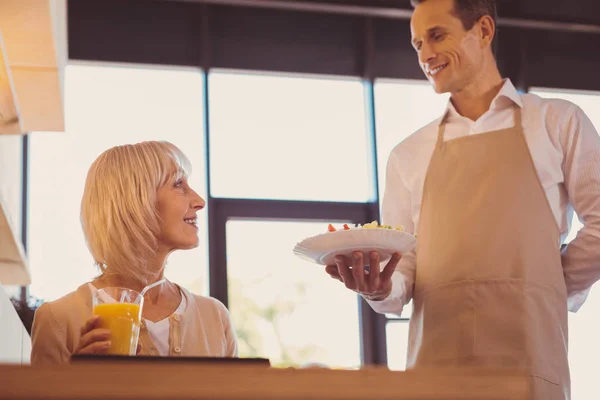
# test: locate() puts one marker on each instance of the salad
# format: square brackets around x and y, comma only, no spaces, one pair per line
[371,225]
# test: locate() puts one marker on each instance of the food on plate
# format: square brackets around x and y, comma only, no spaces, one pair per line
[370,225]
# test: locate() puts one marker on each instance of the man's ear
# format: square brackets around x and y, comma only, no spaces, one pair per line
[487,30]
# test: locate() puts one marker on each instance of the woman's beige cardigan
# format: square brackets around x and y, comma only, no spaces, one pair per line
[203,329]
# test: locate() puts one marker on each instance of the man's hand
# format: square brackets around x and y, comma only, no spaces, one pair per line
[373,284]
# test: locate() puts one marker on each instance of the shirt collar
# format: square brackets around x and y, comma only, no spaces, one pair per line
[506,97]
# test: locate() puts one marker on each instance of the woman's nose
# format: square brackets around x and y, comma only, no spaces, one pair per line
[198,203]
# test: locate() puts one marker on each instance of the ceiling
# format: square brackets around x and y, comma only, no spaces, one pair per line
[571,11]
[277,36]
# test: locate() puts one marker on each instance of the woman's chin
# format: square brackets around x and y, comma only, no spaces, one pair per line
[188,245]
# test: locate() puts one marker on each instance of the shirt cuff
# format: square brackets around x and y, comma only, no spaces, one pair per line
[394,303]
[576,300]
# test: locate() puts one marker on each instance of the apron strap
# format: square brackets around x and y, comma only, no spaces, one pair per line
[517,117]
[441,130]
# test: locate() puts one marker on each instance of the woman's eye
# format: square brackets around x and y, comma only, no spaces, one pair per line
[179,183]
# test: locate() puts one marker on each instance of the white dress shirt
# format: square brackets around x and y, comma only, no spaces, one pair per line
[565,148]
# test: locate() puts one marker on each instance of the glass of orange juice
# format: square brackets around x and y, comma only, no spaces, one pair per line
[120,312]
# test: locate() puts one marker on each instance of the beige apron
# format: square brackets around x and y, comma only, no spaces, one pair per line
[489,287]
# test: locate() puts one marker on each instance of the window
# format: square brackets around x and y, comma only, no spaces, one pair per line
[584,328]
[397,344]
[284,308]
[108,105]
[288,137]
[401,108]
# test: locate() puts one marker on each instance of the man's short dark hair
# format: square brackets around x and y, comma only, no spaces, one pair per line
[470,11]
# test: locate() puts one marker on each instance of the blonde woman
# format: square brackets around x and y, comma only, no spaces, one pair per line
[137,208]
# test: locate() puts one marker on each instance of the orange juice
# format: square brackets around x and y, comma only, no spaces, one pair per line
[123,321]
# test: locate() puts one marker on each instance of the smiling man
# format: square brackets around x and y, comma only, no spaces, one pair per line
[490,187]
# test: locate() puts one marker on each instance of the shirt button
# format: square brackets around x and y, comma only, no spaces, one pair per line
[176,318]
[177,349]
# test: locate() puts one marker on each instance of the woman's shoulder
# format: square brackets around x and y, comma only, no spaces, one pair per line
[73,305]
[56,325]
[79,298]
[206,304]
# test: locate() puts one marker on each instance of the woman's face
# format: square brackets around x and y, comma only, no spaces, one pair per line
[177,205]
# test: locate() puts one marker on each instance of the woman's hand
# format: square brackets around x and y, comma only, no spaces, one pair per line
[93,340]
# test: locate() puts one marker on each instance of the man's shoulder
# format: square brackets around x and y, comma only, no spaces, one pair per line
[549,106]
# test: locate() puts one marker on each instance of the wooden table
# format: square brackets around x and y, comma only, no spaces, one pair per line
[183,381]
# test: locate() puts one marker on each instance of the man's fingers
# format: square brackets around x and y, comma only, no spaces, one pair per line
[358,270]
[390,267]
[332,270]
[374,267]
[355,278]
[345,272]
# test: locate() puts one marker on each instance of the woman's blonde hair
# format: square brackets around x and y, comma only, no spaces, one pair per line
[118,208]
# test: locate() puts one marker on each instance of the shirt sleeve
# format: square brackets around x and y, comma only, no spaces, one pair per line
[396,210]
[581,168]
[230,337]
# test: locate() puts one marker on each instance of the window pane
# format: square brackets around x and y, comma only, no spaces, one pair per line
[397,342]
[107,106]
[284,308]
[288,137]
[401,108]
[584,331]
[584,328]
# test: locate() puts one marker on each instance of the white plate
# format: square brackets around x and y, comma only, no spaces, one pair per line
[322,249]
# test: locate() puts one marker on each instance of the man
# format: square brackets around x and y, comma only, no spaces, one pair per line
[490,187]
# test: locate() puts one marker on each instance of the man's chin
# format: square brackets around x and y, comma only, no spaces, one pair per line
[439,89]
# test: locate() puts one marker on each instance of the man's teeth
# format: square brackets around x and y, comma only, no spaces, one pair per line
[190,221]
[436,70]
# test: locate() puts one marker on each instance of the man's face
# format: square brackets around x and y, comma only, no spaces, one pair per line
[449,55]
